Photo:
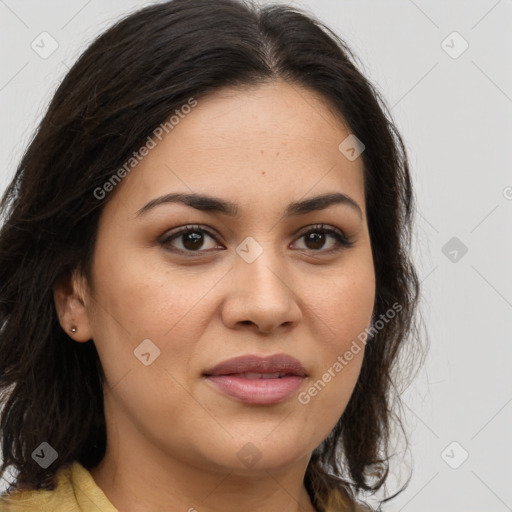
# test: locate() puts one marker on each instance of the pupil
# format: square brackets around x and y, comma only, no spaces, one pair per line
[195,239]
[317,239]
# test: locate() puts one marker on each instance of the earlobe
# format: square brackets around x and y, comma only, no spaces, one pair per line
[69,295]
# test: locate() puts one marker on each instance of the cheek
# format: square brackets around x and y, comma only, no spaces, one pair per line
[144,298]
[325,399]
[341,354]
[346,307]
[141,303]
[139,300]
[343,318]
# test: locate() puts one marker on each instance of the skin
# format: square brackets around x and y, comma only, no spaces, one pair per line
[173,439]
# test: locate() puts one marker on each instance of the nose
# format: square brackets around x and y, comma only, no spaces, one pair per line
[261,295]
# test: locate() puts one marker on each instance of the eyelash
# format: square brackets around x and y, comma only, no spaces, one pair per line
[342,241]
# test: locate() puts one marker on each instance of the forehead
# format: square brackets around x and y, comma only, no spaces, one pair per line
[276,141]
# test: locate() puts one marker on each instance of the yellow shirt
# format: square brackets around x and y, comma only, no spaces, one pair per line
[76,491]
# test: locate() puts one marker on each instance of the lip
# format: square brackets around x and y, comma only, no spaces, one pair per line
[230,377]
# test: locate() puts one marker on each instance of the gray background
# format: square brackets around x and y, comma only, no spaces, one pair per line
[455,115]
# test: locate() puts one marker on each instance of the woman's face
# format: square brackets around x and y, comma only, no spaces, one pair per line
[167,307]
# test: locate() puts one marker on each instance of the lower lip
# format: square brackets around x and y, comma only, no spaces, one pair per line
[257,391]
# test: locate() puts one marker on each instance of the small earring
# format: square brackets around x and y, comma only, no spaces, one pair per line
[73,330]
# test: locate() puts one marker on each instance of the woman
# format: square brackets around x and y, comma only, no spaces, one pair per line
[205,280]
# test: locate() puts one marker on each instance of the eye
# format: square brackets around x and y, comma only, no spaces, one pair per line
[315,239]
[193,239]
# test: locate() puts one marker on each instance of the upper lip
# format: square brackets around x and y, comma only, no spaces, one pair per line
[281,363]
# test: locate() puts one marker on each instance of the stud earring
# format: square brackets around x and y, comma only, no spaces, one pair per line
[73,330]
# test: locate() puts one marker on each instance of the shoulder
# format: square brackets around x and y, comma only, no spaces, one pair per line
[76,491]
[41,499]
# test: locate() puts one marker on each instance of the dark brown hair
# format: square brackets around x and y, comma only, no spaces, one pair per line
[125,84]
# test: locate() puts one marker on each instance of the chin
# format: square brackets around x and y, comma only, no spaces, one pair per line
[248,455]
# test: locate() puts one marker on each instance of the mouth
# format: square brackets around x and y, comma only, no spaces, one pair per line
[258,380]
[252,375]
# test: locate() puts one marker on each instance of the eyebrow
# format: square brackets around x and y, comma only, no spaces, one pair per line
[207,203]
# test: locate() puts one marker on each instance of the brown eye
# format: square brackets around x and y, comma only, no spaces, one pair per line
[317,237]
[315,240]
[192,239]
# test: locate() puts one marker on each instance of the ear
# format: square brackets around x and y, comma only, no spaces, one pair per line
[70,297]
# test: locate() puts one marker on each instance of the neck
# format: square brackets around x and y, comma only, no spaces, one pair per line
[137,475]
[134,484]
